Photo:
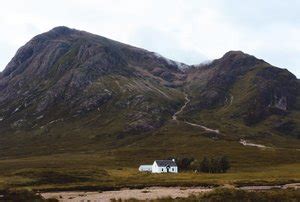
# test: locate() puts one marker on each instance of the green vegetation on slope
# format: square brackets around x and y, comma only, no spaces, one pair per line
[103,168]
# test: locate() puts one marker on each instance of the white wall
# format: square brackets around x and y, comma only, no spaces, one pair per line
[145,168]
[157,169]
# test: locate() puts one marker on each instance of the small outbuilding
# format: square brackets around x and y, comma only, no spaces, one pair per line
[145,168]
[160,166]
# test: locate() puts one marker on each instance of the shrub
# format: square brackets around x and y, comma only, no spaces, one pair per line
[214,165]
[184,163]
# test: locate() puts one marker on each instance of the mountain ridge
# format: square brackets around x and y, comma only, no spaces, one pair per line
[73,84]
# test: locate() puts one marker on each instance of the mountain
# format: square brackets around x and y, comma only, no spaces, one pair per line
[66,74]
[241,89]
[69,90]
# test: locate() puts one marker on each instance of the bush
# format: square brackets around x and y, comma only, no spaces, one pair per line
[184,163]
[214,165]
[204,165]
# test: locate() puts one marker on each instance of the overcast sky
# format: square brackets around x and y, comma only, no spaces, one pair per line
[189,31]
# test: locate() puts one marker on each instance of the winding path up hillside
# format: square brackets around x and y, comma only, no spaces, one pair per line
[174,117]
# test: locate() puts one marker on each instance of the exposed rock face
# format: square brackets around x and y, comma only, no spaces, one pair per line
[217,77]
[277,93]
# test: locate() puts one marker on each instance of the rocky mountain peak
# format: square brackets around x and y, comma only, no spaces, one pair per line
[62,30]
[239,59]
[234,53]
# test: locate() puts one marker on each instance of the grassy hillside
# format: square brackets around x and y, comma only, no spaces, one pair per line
[100,167]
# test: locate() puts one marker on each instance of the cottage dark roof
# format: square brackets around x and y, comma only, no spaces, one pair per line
[164,163]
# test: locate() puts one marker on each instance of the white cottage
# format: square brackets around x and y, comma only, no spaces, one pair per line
[160,166]
[164,166]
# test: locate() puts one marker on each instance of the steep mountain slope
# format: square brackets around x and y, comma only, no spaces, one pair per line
[244,93]
[68,90]
[66,74]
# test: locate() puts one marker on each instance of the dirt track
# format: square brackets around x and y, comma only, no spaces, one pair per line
[187,101]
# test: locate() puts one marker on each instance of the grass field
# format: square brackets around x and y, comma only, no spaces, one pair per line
[94,172]
[94,166]
[93,178]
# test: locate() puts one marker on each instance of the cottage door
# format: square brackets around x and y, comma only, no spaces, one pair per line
[168,169]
